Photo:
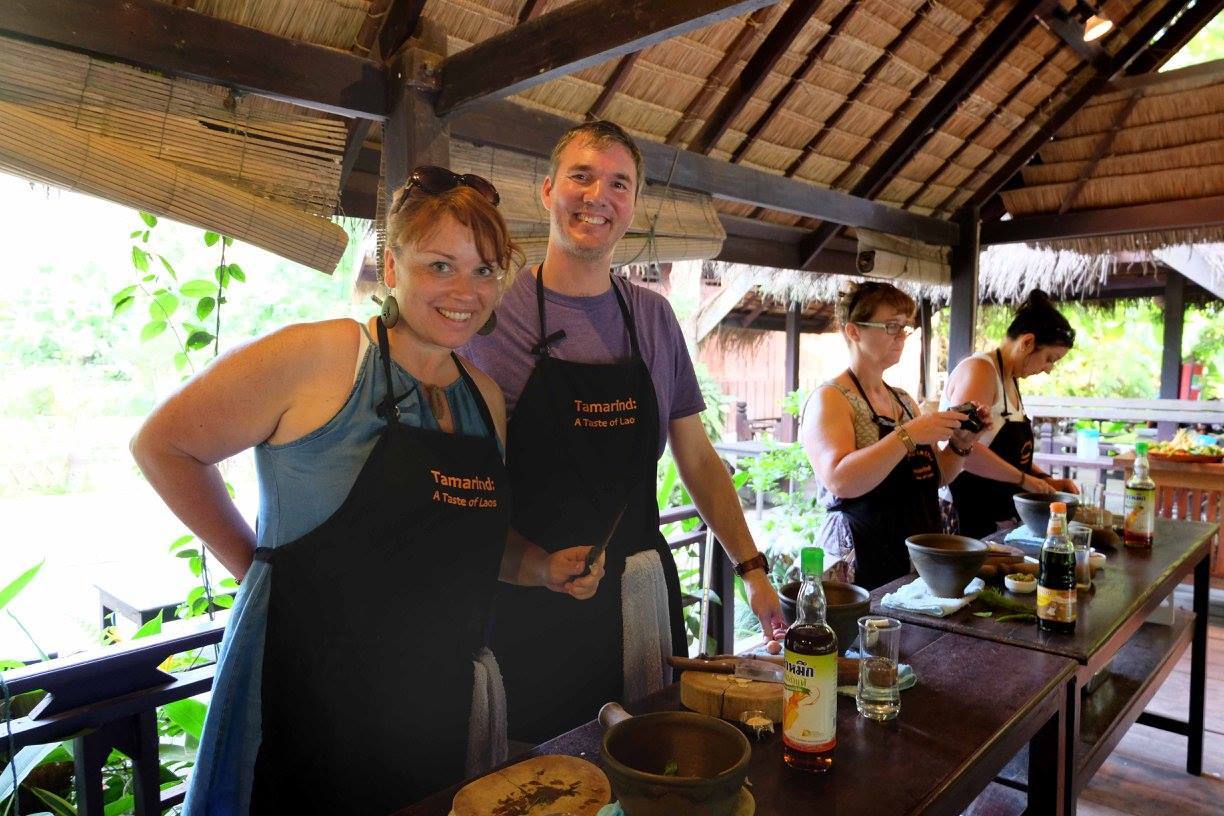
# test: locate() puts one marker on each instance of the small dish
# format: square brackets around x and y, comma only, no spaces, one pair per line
[1020,583]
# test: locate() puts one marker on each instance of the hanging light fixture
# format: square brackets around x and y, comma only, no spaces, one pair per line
[1096,24]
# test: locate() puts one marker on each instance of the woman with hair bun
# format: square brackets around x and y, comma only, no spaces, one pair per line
[1001,465]
[877,459]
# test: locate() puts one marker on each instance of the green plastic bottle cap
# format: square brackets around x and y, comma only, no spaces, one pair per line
[811,560]
[1141,448]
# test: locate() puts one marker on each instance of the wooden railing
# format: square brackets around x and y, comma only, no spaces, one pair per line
[107,698]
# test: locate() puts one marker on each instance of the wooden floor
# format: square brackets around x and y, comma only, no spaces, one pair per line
[1145,775]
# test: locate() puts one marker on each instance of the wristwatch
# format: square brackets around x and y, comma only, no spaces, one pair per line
[758,561]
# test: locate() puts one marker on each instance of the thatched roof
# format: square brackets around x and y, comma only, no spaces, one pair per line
[1141,142]
[923,105]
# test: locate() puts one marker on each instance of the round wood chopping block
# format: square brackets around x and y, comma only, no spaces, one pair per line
[726,696]
[535,787]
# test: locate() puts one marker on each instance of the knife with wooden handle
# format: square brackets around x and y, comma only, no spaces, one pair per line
[598,550]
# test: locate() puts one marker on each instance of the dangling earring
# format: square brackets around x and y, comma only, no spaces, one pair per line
[489,325]
[390,311]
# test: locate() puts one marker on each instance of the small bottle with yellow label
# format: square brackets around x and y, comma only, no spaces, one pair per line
[809,697]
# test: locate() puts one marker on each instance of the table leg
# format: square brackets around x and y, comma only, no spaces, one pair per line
[1198,668]
[1071,727]
[1047,767]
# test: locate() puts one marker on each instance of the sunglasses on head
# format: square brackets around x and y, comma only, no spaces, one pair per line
[433,180]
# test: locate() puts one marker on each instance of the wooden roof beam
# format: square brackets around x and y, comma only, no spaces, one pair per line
[1100,151]
[762,62]
[505,124]
[1193,213]
[530,10]
[744,42]
[988,55]
[972,136]
[1129,51]
[614,84]
[1175,38]
[179,42]
[545,48]
[817,54]
[399,24]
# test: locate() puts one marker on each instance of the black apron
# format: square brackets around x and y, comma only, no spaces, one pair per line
[904,504]
[582,443]
[981,503]
[373,620]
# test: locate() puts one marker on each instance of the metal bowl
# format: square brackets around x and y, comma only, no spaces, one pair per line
[946,562]
[1034,509]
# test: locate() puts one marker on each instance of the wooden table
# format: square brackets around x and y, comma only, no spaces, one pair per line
[1111,635]
[958,728]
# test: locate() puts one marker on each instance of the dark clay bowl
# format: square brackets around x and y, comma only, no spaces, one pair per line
[946,562]
[846,604]
[1034,509]
[711,758]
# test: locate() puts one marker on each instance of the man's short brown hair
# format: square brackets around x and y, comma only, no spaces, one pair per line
[602,134]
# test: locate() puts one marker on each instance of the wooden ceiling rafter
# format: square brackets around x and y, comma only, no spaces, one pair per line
[380,14]
[744,40]
[969,140]
[545,48]
[1131,49]
[178,42]
[615,82]
[399,24]
[1175,36]
[1100,151]
[530,10]
[834,118]
[760,65]
[985,58]
[815,55]
[1190,214]
[534,132]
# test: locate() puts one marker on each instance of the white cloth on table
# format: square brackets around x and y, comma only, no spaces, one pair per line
[916,596]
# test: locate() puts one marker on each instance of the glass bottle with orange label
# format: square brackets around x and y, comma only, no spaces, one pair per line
[1056,599]
[809,696]
[1139,521]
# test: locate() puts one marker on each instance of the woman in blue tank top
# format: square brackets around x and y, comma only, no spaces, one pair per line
[379,455]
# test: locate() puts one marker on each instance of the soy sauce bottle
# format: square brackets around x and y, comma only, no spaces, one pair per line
[1056,600]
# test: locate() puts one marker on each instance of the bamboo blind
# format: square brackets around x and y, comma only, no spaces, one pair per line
[53,152]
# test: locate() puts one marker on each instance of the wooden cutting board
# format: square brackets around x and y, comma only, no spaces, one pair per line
[534,787]
[726,696]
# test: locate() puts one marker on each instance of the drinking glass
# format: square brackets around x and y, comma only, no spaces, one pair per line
[879,695]
[1081,537]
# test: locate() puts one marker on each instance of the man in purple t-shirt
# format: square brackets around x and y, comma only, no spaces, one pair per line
[597,379]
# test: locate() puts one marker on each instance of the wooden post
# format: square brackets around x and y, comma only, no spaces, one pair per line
[1170,359]
[790,425]
[963,305]
[413,134]
[924,353]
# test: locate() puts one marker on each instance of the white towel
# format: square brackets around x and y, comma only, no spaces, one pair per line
[487,744]
[646,641]
[916,596]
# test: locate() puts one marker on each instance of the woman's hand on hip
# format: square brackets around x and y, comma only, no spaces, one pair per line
[564,568]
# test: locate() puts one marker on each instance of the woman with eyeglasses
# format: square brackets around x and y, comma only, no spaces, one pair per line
[1001,465]
[352,676]
[876,457]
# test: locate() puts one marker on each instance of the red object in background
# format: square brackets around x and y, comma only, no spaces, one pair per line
[1191,381]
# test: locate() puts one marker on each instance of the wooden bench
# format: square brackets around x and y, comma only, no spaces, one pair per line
[1188,491]
[1183,412]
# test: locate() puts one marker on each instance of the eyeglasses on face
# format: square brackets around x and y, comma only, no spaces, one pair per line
[433,180]
[892,328]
